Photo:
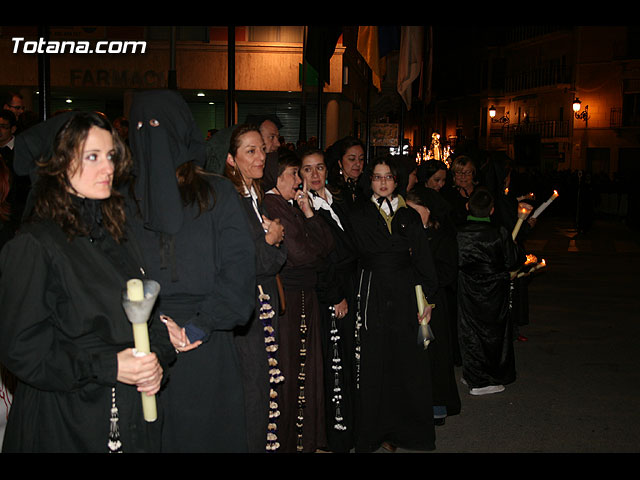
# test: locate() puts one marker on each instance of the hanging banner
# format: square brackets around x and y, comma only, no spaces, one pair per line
[384,135]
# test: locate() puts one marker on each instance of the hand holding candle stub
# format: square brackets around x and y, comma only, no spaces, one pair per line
[523,212]
[530,265]
[138,300]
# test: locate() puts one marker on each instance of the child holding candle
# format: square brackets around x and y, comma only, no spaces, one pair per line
[486,255]
[63,331]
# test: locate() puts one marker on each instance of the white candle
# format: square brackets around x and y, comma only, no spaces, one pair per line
[135,291]
[541,208]
[424,333]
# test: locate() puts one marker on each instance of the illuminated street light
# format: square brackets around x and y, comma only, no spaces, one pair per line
[577,105]
[492,114]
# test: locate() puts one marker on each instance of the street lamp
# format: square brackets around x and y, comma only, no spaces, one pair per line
[492,114]
[584,115]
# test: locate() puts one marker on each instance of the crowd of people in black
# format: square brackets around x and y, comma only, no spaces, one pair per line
[296,288]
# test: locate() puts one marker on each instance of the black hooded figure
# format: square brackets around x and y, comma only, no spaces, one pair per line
[196,242]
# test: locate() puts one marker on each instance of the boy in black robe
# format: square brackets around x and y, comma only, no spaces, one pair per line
[486,255]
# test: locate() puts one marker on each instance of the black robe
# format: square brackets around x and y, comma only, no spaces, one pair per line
[61,326]
[207,275]
[336,281]
[457,200]
[393,376]
[444,248]
[250,338]
[308,241]
[486,255]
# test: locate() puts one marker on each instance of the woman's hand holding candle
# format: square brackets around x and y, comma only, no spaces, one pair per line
[143,371]
[148,382]
[426,314]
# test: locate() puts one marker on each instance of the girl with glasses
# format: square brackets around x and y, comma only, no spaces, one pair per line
[392,371]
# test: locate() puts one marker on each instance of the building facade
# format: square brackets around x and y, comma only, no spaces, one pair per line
[531,76]
[268,74]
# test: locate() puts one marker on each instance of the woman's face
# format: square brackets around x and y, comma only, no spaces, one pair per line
[352,162]
[288,182]
[383,183]
[413,179]
[423,211]
[463,177]
[314,172]
[250,156]
[437,180]
[91,174]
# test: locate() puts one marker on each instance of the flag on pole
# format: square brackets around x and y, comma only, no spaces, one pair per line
[410,60]
[369,49]
[321,43]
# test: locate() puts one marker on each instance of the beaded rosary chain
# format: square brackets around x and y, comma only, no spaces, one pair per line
[301,376]
[336,366]
[275,376]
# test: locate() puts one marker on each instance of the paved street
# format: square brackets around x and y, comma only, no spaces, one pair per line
[578,386]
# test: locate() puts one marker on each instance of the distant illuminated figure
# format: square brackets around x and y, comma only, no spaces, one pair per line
[435,147]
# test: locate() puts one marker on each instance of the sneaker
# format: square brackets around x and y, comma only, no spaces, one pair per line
[487,390]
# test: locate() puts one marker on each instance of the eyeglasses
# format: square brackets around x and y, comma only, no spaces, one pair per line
[463,173]
[378,178]
[16,107]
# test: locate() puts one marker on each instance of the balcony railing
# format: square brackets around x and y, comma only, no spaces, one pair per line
[547,129]
[539,77]
[618,118]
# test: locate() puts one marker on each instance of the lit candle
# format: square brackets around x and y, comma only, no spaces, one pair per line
[541,208]
[135,291]
[540,265]
[523,211]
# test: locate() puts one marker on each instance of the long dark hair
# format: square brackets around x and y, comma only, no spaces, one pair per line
[428,169]
[52,199]
[334,156]
[194,187]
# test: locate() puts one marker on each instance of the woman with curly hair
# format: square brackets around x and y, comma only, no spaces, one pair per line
[63,331]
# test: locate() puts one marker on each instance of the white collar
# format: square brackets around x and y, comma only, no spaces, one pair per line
[318,202]
[385,205]
[11,142]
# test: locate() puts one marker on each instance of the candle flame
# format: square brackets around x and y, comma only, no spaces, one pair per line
[531,259]
[555,193]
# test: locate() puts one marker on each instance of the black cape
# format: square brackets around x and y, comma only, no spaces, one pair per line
[393,376]
[308,241]
[250,338]
[336,282]
[61,327]
[486,255]
[205,264]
